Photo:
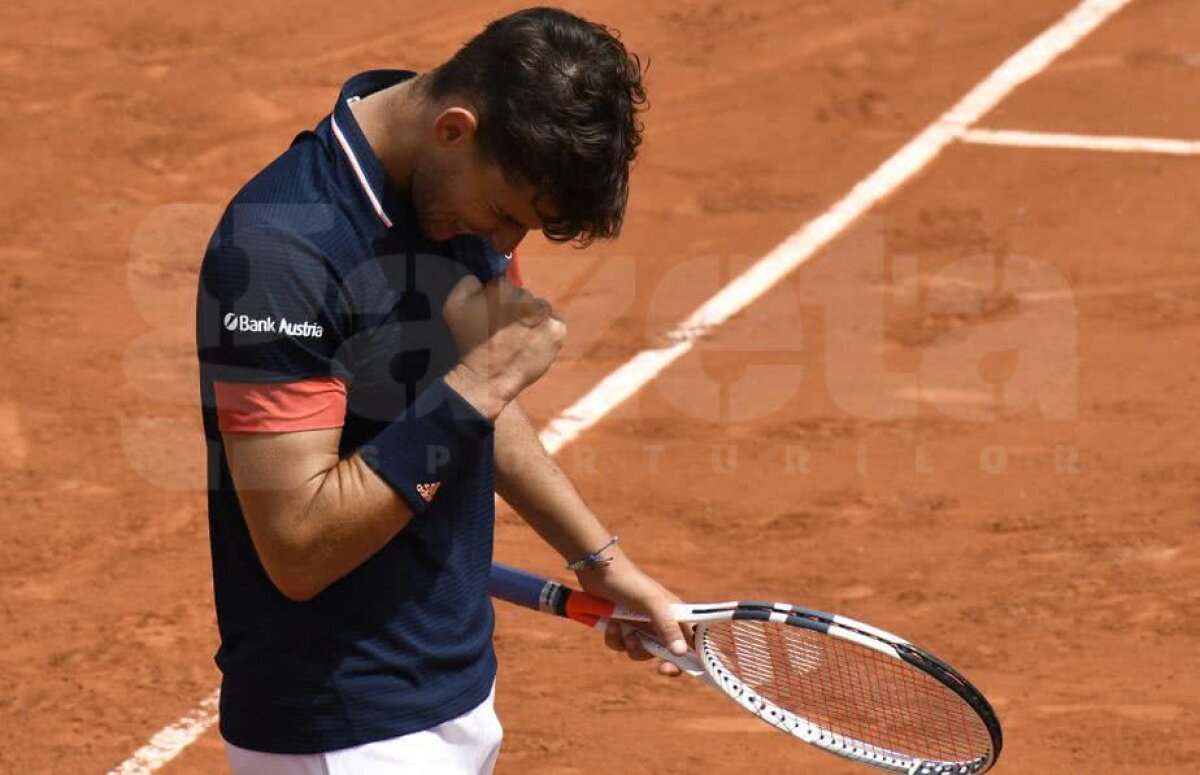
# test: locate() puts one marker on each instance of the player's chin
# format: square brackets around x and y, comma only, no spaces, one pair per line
[439,229]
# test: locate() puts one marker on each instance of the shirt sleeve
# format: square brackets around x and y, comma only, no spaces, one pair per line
[271,333]
[270,309]
[317,403]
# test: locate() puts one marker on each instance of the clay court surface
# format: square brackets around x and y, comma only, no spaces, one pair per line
[969,419]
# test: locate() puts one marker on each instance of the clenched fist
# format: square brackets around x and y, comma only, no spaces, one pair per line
[506,337]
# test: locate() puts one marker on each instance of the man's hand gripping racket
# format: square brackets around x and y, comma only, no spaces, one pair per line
[846,687]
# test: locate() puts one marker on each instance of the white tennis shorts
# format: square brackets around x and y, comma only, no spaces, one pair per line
[467,745]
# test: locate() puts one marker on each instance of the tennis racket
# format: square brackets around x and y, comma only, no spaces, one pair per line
[846,687]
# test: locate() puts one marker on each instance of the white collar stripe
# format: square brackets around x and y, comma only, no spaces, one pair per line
[358,171]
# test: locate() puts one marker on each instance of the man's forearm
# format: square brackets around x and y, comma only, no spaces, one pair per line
[316,519]
[534,485]
[349,513]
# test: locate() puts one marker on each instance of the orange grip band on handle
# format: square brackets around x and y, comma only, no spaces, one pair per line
[586,608]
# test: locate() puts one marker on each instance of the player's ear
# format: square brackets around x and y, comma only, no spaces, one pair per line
[455,126]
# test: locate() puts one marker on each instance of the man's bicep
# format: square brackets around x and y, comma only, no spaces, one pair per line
[280,466]
[280,437]
[278,477]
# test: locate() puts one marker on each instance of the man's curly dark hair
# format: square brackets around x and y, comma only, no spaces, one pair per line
[558,99]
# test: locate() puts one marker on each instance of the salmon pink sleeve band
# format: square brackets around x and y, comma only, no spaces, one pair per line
[281,407]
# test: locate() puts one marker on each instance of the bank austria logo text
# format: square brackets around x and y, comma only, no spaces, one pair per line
[236,322]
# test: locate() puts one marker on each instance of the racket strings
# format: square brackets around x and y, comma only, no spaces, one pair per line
[849,690]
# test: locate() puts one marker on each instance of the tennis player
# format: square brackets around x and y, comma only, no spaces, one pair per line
[361,352]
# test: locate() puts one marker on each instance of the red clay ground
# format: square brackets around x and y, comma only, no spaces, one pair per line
[1049,550]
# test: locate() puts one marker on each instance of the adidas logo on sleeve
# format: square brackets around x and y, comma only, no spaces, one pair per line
[427,491]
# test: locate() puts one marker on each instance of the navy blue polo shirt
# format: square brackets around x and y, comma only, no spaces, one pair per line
[319,307]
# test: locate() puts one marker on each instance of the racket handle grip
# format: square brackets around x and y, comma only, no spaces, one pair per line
[519,587]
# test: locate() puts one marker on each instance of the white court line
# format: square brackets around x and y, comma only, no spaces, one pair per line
[1014,138]
[801,246]
[763,275]
[170,741]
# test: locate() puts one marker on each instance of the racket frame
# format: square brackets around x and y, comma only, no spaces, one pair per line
[549,596]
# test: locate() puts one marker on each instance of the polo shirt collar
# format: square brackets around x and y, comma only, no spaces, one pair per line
[364,164]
